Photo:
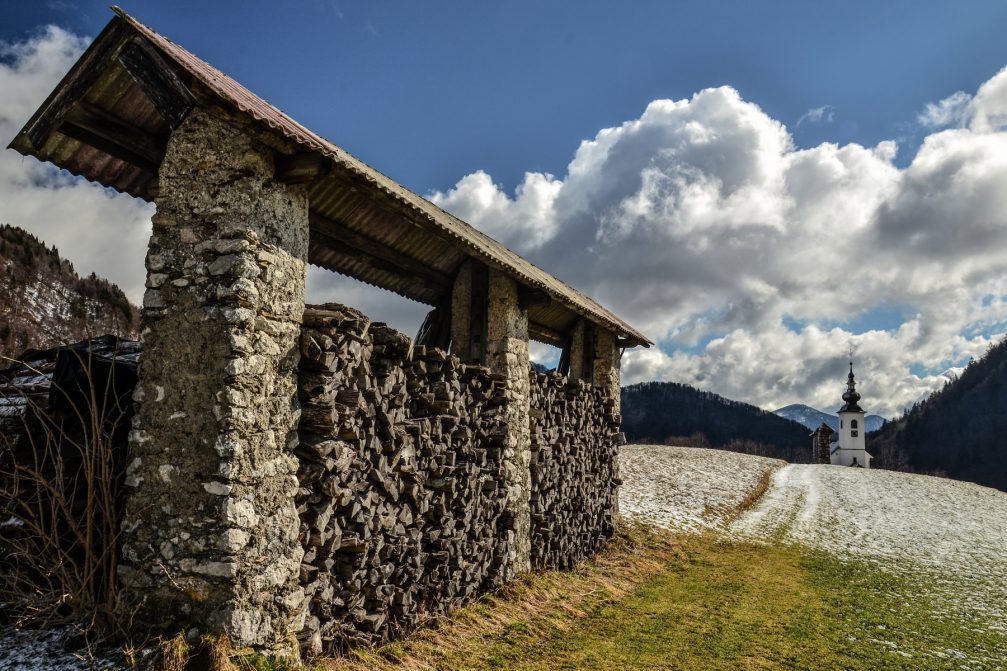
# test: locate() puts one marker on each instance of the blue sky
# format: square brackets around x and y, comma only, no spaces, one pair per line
[796,131]
[434,90]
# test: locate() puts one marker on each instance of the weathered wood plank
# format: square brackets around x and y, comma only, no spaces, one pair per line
[76,82]
[167,92]
[114,149]
[479,312]
[347,254]
[116,131]
[532,298]
[392,259]
[546,334]
[300,168]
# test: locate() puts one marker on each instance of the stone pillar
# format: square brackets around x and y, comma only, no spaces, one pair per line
[607,357]
[210,533]
[507,355]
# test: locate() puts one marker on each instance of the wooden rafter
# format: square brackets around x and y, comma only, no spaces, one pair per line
[381,255]
[167,92]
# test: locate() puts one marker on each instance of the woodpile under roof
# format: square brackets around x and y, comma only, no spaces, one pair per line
[109,121]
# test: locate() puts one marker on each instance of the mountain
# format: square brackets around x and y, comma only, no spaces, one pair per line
[959,431]
[677,414]
[44,303]
[812,418]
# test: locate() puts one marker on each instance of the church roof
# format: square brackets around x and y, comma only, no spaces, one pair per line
[851,397]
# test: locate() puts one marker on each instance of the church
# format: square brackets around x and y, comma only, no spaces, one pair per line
[851,448]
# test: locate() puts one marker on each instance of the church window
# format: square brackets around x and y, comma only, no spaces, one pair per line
[853,424]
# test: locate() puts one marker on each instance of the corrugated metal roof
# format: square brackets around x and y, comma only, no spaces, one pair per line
[391,220]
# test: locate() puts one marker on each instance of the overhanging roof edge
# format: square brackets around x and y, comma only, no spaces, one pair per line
[420,211]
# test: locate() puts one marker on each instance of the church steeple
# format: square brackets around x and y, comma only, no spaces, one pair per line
[851,397]
[851,448]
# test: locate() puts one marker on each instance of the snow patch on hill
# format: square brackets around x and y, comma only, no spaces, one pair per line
[687,488]
[946,538]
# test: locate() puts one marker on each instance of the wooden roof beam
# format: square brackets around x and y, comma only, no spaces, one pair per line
[547,335]
[103,131]
[533,298]
[300,168]
[76,82]
[163,87]
[351,246]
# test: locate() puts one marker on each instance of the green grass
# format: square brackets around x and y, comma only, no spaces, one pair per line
[715,605]
[757,607]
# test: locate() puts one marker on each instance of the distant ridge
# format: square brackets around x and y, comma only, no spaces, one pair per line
[44,302]
[812,418]
[673,413]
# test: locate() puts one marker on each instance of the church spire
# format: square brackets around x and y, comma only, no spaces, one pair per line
[851,397]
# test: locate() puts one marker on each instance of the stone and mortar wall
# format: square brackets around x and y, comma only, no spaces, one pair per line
[402,468]
[210,534]
[574,469]
[507,356]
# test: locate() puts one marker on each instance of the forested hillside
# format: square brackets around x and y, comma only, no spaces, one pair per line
[43,302]
[959,431]
[677,414]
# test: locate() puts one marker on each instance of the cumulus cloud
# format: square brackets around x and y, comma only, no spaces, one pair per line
[753,261]
[98,230]
[824,113]
[522,222]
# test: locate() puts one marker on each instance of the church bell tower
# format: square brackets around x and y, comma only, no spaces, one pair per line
[851,450]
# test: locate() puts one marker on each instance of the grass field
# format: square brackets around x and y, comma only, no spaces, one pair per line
[659,601]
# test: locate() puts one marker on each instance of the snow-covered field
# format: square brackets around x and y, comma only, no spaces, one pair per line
[946,539]
[687,488]
[951,535]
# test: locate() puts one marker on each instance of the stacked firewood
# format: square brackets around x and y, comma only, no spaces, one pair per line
[401,480]
[574,469]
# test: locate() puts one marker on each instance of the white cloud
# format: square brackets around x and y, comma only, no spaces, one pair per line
[824,113]
[983,113]
[98,230]
[951,111]
[524,221]
[703,224]
[989,107]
